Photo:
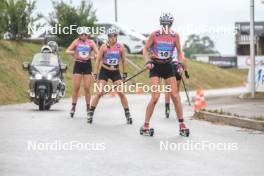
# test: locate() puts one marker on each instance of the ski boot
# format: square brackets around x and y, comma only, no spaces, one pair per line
[145,130]
[128,118]
[72,110]
[167,112]
[183,130]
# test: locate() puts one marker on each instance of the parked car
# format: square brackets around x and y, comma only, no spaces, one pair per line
[134,42]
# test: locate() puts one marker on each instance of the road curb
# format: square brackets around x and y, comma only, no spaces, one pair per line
[229,120]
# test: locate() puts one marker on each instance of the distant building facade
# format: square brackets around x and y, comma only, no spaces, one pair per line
[242,38]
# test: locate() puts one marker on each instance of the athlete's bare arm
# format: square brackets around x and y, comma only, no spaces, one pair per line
[70,49]
[124,60]
[180,54]
[147,46]
[95,49]
[99,59]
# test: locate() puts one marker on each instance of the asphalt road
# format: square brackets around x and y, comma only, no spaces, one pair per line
[31,143]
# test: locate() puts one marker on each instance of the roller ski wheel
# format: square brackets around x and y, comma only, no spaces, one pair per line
[90,120]
[128,118]
[146,131]
[184,131]
[89,117]
[129,121]
[72,113]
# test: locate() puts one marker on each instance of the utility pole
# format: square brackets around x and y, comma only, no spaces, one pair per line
[252,48]
[116,11]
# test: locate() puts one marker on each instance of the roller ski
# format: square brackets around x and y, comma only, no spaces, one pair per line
[183,130]
[72,110]
[90,114]
[128,118]
[146,131]
[72,113]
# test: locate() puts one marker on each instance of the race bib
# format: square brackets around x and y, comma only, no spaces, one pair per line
[83,52]
[165,50]
[112,58]
[112,61]
[164,54]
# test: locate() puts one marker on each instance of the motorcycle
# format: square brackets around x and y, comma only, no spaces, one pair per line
[46,85]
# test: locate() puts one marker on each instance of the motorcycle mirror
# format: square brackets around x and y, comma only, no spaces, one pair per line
[25,66]
[63,67]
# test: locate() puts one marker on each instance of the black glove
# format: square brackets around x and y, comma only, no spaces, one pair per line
[180,68]
[174,63]
[149,64]
[124,77]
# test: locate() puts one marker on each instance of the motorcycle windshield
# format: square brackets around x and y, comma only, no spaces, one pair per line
[45,59]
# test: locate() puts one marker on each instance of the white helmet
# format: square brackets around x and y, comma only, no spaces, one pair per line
[46,49]
[54,46]
[83,30]
[166,19]
[112,31]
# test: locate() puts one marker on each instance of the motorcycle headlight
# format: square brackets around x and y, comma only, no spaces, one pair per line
[38,76]
[49,76]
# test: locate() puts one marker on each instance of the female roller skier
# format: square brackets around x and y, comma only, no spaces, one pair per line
[109,58]
[162,43]
[81,49]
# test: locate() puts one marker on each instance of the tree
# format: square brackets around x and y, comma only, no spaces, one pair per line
[1,17]
[197,45]
[66,15]
[16,16]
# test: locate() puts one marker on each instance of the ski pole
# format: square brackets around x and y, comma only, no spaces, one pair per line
[186,92]
[141,71]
